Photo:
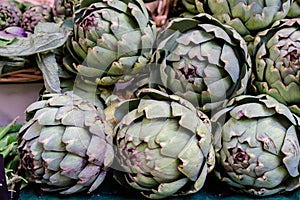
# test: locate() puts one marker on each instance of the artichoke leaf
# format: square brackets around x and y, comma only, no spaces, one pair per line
[188,118]
[165,170]
[77,140]
[272,178]
[73,118]
[58,179]
[46,116]
[51,138]
[49,67]
[172,139]
[154,109]
[140,15]
[99,180]
[191,167]
[167,189]
[72,165]
[53,159]
[291,149]
[47,36]
[36,106]
[73,189]
[144,180]
[251,110]
[59,100]
[96,150]
[100,58]
[33,131]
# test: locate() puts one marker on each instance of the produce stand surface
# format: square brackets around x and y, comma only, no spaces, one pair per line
[110,190]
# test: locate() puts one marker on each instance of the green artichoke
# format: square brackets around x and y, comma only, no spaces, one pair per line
[276,68]
[294,9]
[35,14]
[10,14]
[163,145]
[247,17]
[257,146]
[112,40]
[65,144]
[201,60]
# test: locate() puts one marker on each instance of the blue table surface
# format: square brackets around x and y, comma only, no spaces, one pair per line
[112,190]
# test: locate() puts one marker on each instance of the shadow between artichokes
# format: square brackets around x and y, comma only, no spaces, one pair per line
[163,145]
[65,144]
[256,141]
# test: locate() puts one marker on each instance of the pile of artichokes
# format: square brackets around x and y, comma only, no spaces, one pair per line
[166,95]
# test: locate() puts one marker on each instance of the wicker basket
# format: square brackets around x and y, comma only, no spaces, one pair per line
[32,74]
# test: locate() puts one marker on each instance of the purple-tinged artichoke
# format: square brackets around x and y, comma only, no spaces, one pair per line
[65,144]
[10,14]
[63,9]
[256,141]
[35,14]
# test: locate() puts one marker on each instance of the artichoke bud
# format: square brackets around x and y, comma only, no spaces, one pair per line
[63,9]
[112,40]
[10,14]
[257,146]
[65,144]
[163,145]
[276,66]
[201,60]
[35,14]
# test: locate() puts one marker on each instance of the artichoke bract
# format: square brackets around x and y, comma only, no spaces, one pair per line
[35,14]
[276,65]
[10,14]
[201,60]
[256,141]
[247,17]
[112,40]
[163,145]
[65,145]
[294,9]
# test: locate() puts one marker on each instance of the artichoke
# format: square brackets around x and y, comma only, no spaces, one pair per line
[113,38]
[163,145]
[247,17]
[10,14]
[257,146]
[276,68]
[201,60]
[65,144]
[35,14]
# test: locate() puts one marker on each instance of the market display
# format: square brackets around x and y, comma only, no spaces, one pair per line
[158,96]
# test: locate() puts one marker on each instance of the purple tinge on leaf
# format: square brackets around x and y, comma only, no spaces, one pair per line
[11,32]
